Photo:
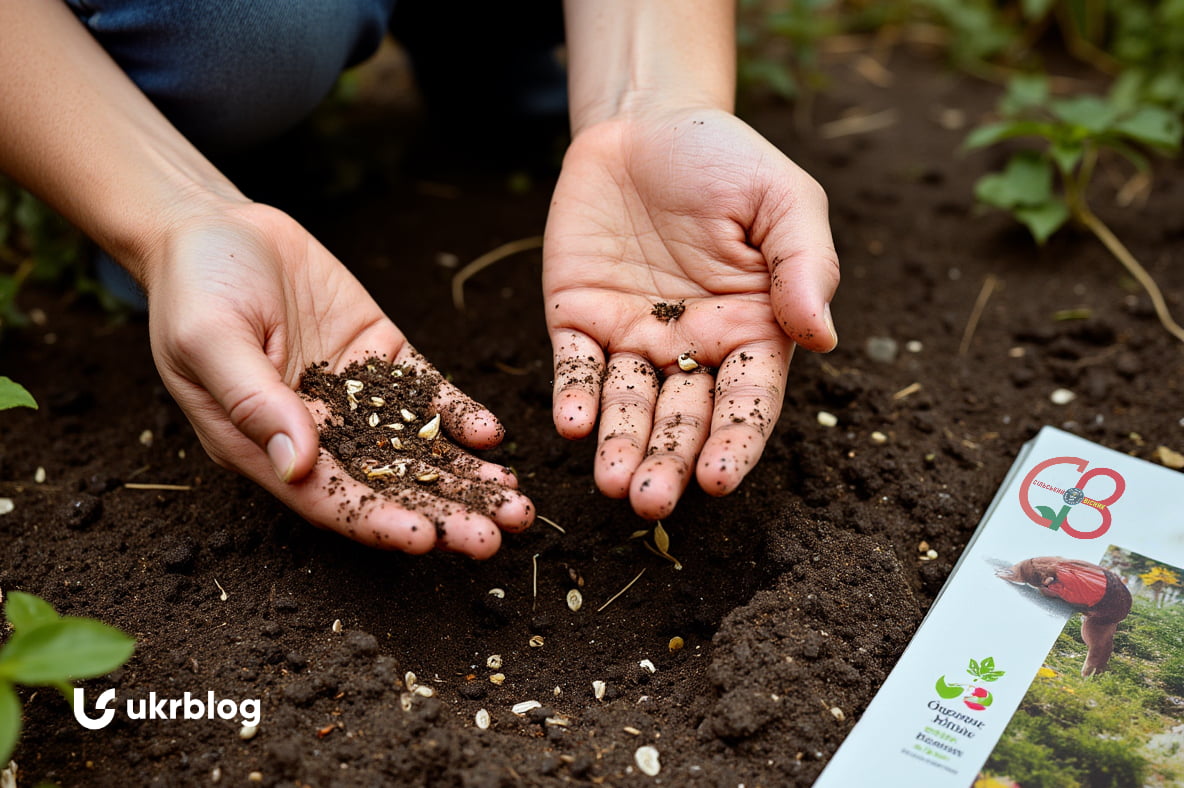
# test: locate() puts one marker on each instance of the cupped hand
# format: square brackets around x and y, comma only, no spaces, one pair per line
[681,233]
[241,301]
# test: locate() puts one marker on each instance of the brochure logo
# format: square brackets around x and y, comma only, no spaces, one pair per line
[976,697]
[1057,519]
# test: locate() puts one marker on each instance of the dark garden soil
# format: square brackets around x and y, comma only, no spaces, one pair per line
[797,593]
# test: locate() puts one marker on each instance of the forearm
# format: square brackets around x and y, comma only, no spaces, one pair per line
[79,134]
[625,54]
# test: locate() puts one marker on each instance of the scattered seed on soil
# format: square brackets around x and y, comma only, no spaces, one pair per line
[827,419]
[923,547]
[222,595]
[598,689]
[146,438]
[6,505]
[536,641]
[255,777]
[39,475]
[575,600]
[1163,455]
[647,666]
[428,477]
[406,701]
[336,625]
[1062,397]
[497,678]
[837,713]
[913,346]
[647,761]
[407,415]
[676,643]
[500,593]
[482,719]
[686,363]
[424,691]
[494,662]
[247,732]
[377,402]
[879,438]
[631,730]
[557,692]
[373,420]
[410,680]
[525,706]
[430,430]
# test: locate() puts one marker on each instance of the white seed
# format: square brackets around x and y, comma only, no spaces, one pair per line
[255,777]
[598,688]
[395,426]
[1016,352]
[525,706]
[827,419]
[430,430]
[575,600]
[424,691]
[377,402]
[146,438]
[247,732]
[396,373]
[646,758]
[931,554]
[410,680]
[373,420]
[557,692]
[407,415]
[354,386]
[216,774]
[39,475]
[396,444]
[497,678]
[686,363]
[482,719]
[336,625]
[494,661]
[631,730]
[879,438]
[406,701]
[913,346]
[1062,397]
[353,403]
[837,713]
[536,641]
[500,593]
[428,477]
[562,722]
[6,505]
[647,666]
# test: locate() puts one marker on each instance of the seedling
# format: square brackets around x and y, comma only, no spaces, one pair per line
[48,650]
[661,545]
[1069,135]
[14,395]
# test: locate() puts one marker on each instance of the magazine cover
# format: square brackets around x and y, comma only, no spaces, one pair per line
[1054,655]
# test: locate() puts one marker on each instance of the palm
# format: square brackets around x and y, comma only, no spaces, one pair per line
[669,210]
[278,301]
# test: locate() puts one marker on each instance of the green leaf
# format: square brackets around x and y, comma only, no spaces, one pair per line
[994,675]
[1066,154]
[993,133]
[10,721]
[947,691]
[988,664]
[25,611]
[1092,113]
[1024,92]
[1025,181]
[71,648]
[1154,126]
[14,395]
[974,668]
[1043,220]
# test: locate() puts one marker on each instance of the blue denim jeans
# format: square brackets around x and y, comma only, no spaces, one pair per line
[230,73]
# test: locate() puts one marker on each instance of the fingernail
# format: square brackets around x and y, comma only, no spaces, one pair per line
[282,453]
[830,324]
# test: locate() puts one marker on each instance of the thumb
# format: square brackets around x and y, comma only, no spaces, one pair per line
[246,384]
[794,238]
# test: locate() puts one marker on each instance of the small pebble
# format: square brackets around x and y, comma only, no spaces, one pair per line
[497,678]
[882,349]
[676,643]
[247,732]
[1062,397]
[647,761]
[827,419]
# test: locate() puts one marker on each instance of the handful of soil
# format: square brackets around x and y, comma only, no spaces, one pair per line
[384,430]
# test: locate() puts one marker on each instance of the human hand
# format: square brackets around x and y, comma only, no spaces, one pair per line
[692,208]
[241,302]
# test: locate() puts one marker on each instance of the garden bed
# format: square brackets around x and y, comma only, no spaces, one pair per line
[796,595]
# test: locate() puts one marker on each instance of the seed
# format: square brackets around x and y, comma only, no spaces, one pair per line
[575,600]
[336,625]
[647,666]
[827,419]
[373,420]
[598,688]
[525,706]
[923,547]
[557,692]
[498,592]
[39,475]
[146,438]
[562,722]
[837,713]
[393,426]
[255,777]
[354,386]
[675,644]
[396,444]
[410,680]
[430,430]
[536,641]
[396,373]
[406,700]
[482,719]
[424,691]
[428,477]
[247,732]
[646,758]
[6,505]
[879,438]
[407,415]
[686,363]
[931,554]
[497,678]
[494,662]
[377,402]
[1062,397]
[631,730]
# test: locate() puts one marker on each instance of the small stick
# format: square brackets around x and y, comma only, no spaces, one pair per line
[623,590]
[486,260]
[551,523]
[907,391]
[980,304]
[146,486]
[857,124]
[534,560]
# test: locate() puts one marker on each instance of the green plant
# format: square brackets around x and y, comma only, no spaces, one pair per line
[48,650]
[1069,136]
[14,395]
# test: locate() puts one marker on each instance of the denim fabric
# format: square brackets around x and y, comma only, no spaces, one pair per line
[229,73]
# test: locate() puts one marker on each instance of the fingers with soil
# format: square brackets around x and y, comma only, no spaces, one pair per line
[579,368]
[627,411]
[464,419]
[680,429]
[748,393]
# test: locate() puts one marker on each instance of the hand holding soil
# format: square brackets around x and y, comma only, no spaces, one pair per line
[690,206]
[278,302]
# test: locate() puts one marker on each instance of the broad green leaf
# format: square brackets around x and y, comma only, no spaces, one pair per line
[1024,92]
[25,611]
[1066,154]
[1043,220]
[1092,113]
[988,664]
[14,395]
[974,668]
[992,133]
[1154,126]
[10,721]
[1025,181]
[71,648]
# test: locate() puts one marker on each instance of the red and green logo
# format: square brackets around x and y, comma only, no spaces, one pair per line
[974,695]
